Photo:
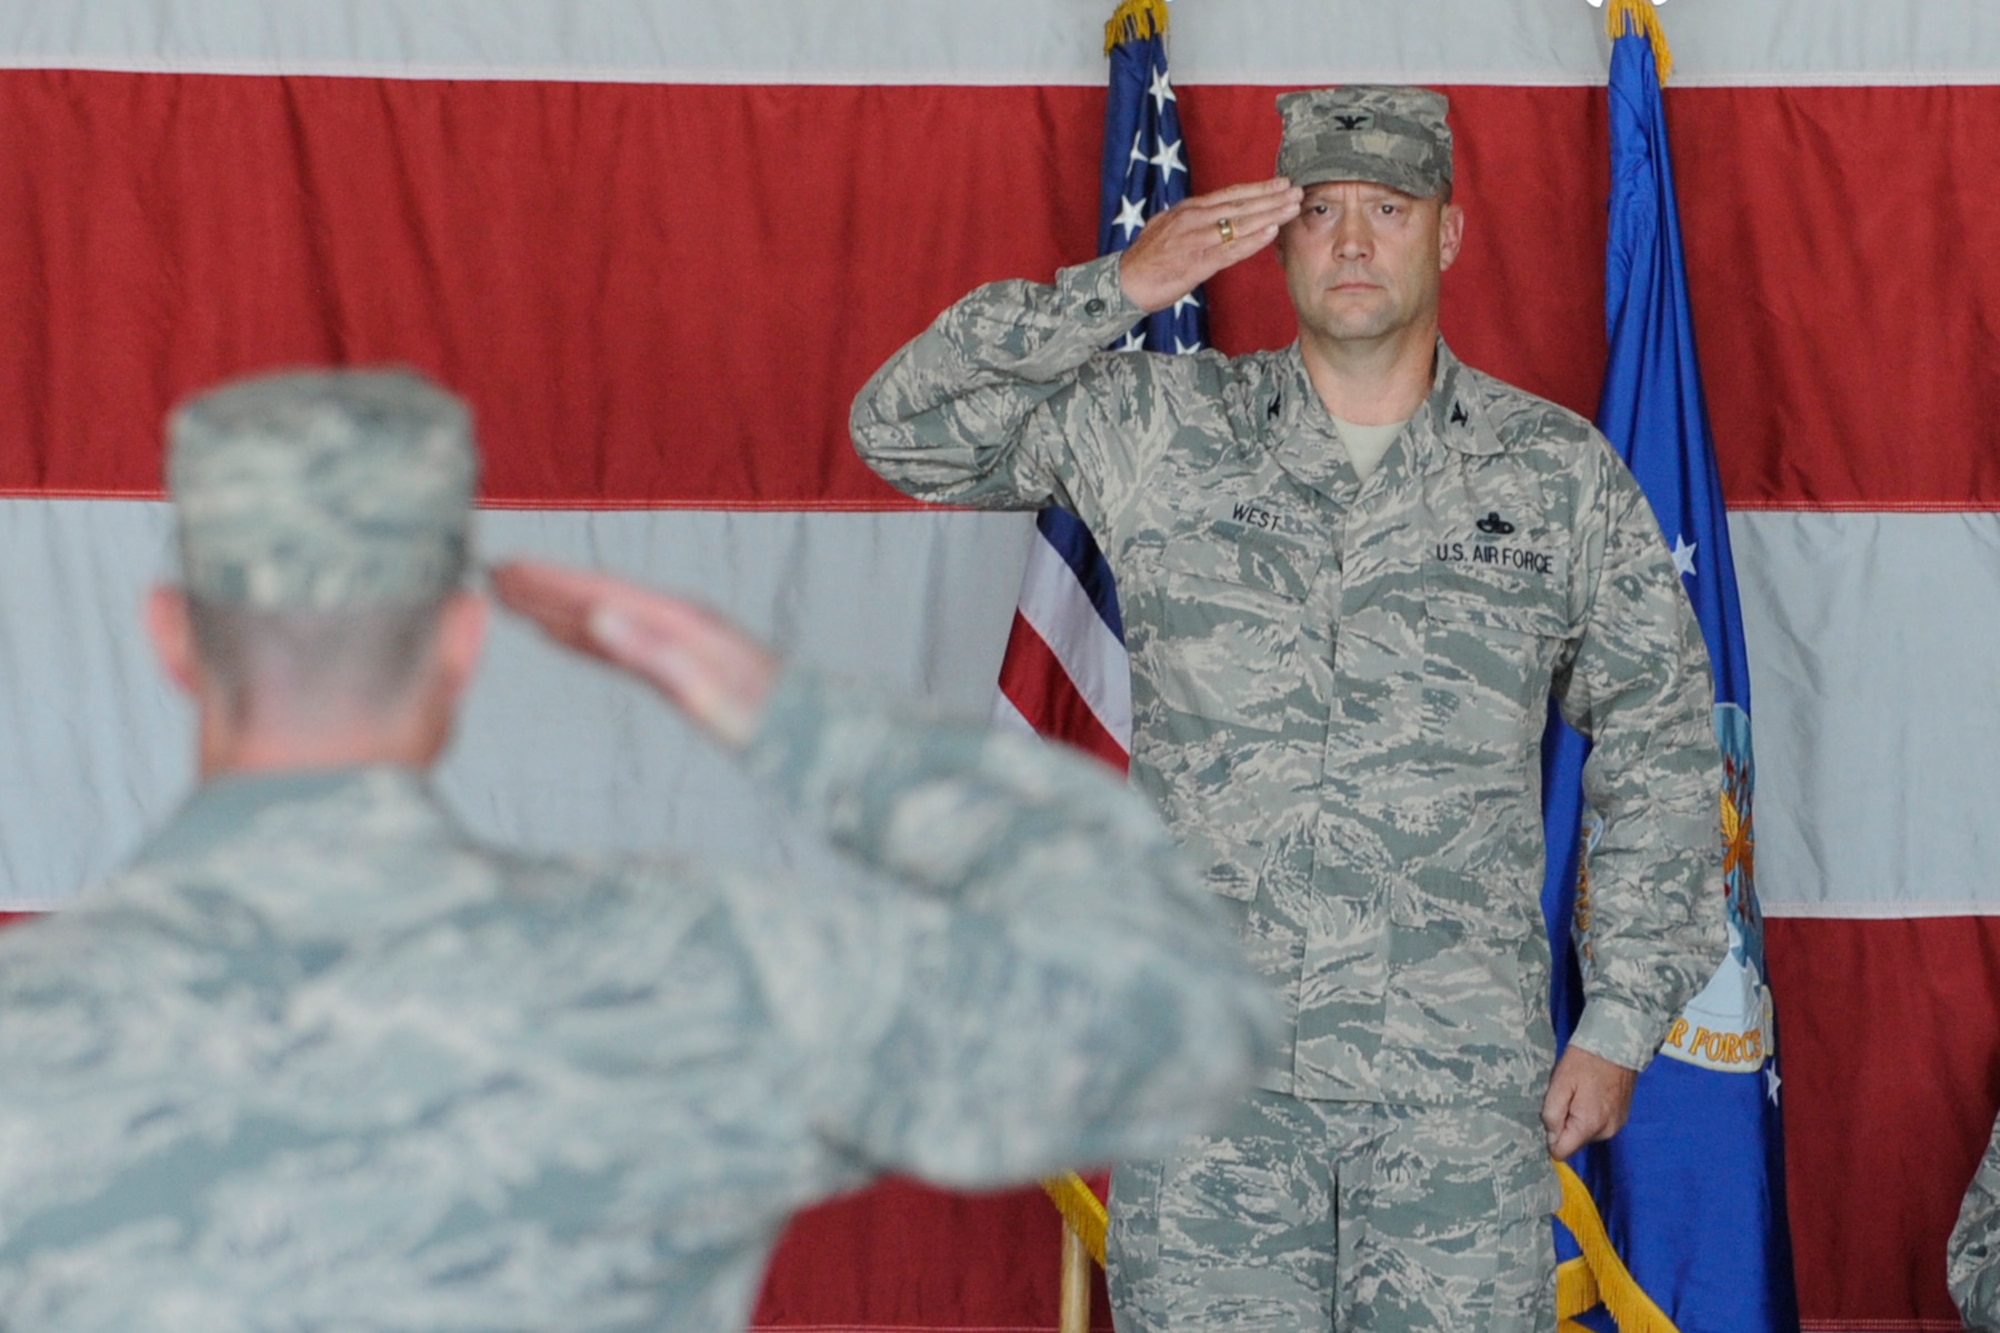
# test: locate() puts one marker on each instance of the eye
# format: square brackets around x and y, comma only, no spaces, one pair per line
[1389,209]
[1320,209]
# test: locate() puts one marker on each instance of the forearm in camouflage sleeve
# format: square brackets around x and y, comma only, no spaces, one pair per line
[1640,688]
[968,412]
[1078,1001]
[1972,1263]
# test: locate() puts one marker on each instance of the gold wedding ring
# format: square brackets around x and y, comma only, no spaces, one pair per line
[1228,232]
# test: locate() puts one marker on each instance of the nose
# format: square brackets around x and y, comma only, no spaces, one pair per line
[1353,238]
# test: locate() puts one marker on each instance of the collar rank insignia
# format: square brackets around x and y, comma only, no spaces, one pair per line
[1459,416]
[1495,526]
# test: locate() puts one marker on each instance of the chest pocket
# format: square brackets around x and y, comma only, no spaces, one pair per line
[1225,632]
[1228,719]
[1496,624]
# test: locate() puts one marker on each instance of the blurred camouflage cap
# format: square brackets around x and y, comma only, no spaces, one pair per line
[1392,136]
[322,490]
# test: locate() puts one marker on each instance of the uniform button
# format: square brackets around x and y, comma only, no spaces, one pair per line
[1094,306]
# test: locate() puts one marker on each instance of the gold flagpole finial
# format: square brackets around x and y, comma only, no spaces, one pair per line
[1134,20]
[1624,18]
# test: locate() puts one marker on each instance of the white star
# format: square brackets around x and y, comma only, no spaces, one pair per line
[1772,1081]
[1188,302]
[1168,160]
[1135,341]
[1684,557]
[1138,139]
[1182,349]
[1162,91]
[1131,216]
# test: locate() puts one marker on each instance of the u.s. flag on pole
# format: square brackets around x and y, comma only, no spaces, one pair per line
[1691,1193]
[1065,675]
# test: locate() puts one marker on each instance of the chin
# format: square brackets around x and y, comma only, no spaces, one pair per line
[1360,329]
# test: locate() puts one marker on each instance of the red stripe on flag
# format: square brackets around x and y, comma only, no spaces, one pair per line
[1033,679]
[903,1257]
[1887,1034]
[651,294]
[668,295]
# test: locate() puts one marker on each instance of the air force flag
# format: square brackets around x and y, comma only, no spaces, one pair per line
[1691,1192]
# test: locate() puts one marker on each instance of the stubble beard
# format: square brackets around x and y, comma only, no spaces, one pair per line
[1345,321]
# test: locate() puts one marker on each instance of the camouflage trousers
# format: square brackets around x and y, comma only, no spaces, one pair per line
[1308,1215]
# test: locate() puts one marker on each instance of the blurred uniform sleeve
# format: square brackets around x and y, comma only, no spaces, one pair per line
[1032,978]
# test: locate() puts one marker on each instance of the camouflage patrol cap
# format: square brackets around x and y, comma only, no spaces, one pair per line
[1392,136]
[322,490]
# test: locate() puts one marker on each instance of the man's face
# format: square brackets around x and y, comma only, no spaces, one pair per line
[1362,260]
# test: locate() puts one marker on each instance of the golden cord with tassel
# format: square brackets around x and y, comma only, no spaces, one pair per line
[1134,20]
[1082,1211]
[1601,1276]
[1633,17]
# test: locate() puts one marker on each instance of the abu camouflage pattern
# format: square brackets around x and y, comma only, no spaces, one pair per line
[1358,1216]
[317,1061]
[1973,1256]
[322,490]
[1396,137]
[1339,687]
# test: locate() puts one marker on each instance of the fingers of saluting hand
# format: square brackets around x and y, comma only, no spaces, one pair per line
[1199,237]
[558,600]
[1249,208]
[717,674]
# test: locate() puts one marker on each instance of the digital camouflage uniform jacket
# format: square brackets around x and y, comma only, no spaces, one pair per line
[1973,1259]
[317,1062]
[1339,688]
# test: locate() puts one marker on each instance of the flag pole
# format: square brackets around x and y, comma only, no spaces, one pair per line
[1075,1293]
[1084,1222]
[1085,700]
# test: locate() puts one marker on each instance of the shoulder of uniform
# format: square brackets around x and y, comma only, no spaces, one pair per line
[1227,395]
[1525,421]
[1205,367]
[1255,389]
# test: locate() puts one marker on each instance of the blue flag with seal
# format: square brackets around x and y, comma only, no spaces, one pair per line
[1679,1222]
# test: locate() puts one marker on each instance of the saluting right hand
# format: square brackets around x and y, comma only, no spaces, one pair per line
[715,672]
[1200,236]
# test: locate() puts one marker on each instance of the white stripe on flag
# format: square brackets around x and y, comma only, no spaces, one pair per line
[1060,610]
[1044,42]
[552,753]
[1874,644]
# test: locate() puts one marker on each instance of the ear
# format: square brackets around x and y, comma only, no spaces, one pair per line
[1451,234]
[461,637]
[173,639]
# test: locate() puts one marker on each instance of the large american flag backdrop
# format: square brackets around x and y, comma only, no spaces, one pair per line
[661,244]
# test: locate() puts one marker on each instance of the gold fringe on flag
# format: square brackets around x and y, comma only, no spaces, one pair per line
[1626,17]
[1576,1291]
[1606,1278]
[1082,1211]
[1133,21]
